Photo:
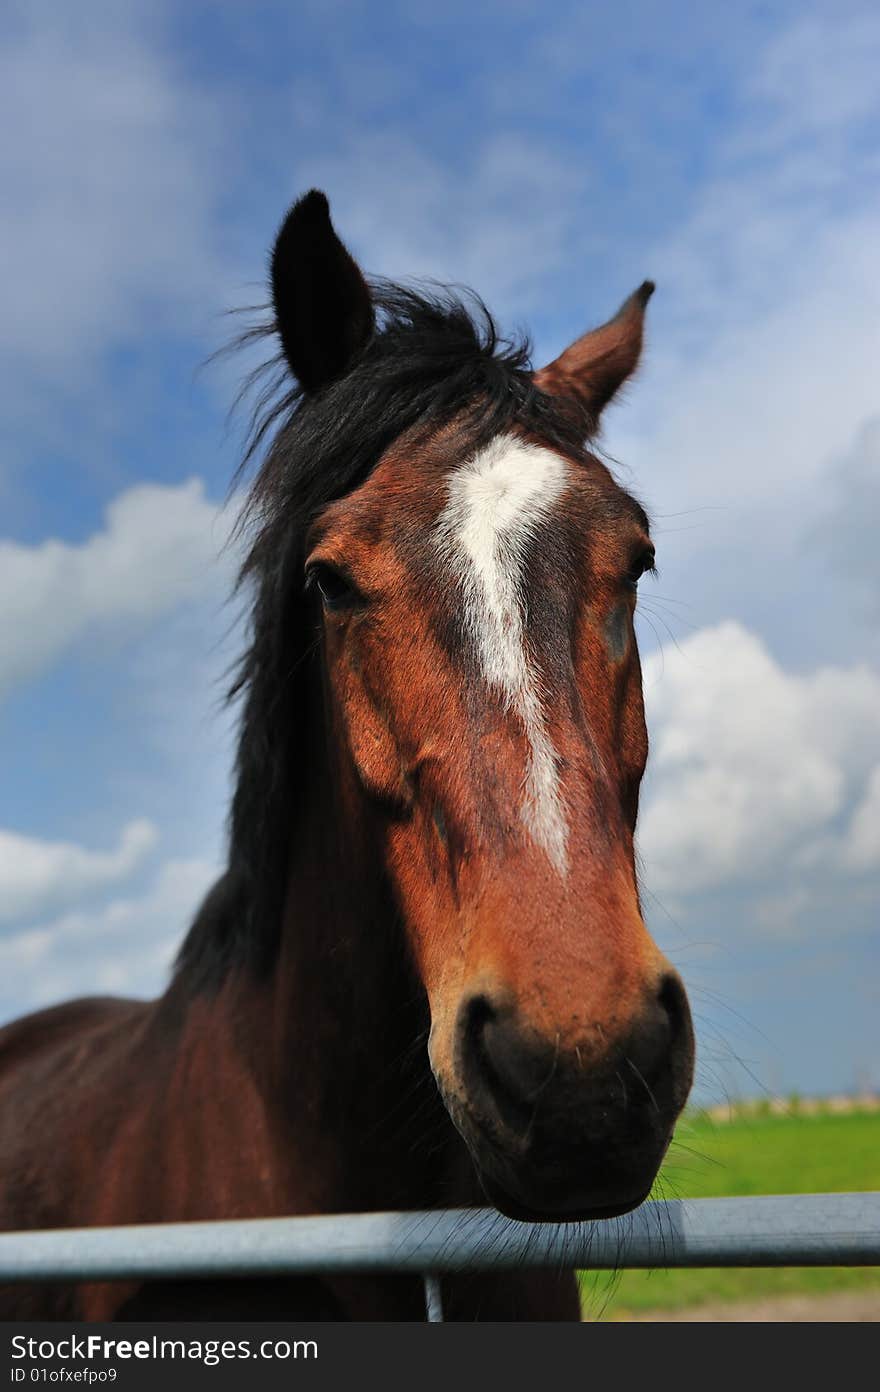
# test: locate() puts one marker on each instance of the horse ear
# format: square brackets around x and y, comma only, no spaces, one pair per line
[323,310]
[594,367]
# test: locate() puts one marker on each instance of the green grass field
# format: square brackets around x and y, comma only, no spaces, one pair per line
[792,1154]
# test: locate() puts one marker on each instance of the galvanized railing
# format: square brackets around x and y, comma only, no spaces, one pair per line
[789,1230]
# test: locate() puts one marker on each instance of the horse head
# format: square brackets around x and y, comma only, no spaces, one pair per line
[472,587]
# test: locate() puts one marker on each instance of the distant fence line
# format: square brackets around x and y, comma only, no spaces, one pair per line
[839,1104]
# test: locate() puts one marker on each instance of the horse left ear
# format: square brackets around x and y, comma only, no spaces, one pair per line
[323,308]
[594,367]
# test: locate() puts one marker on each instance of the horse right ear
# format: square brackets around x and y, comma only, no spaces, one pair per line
[323,309]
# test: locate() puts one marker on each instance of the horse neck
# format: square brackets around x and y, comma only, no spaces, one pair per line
[349,1064]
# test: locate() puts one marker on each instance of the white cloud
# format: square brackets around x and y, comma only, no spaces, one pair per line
[753,767]
[37,876]
[108,192]
[757,385]
[819,77]
[782,914]
[158,548]
[789,175]
[125,947]
[846,529]
[862,848]
[760,370]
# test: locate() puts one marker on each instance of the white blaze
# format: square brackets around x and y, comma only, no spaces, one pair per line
[497,502]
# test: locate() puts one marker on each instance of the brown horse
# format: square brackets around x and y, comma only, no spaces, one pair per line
[424,979]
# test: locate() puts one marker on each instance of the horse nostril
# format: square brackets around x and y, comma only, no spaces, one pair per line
[502,1070]
[517,1082]
[662,1037]
[473,1016]
[476,1016]
[674,1002]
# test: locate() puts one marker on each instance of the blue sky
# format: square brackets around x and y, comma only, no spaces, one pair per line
[552,158]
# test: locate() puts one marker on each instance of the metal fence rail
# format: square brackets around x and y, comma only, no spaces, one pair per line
[790,1230]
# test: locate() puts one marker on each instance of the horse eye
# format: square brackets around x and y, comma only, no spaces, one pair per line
[642,563]
[335,590]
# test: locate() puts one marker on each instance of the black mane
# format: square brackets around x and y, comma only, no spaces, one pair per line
[436,356]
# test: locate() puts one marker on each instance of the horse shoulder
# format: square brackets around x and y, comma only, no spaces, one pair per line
[50,1062]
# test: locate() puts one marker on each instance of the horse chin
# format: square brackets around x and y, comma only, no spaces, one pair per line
[562,1178]
[563,1182]
[573,1210]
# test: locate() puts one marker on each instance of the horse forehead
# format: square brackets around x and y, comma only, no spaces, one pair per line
[514,509]
[486,504]
[497,499]
[481,520]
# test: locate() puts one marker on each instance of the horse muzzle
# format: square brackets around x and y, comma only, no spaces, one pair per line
[575,1132]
